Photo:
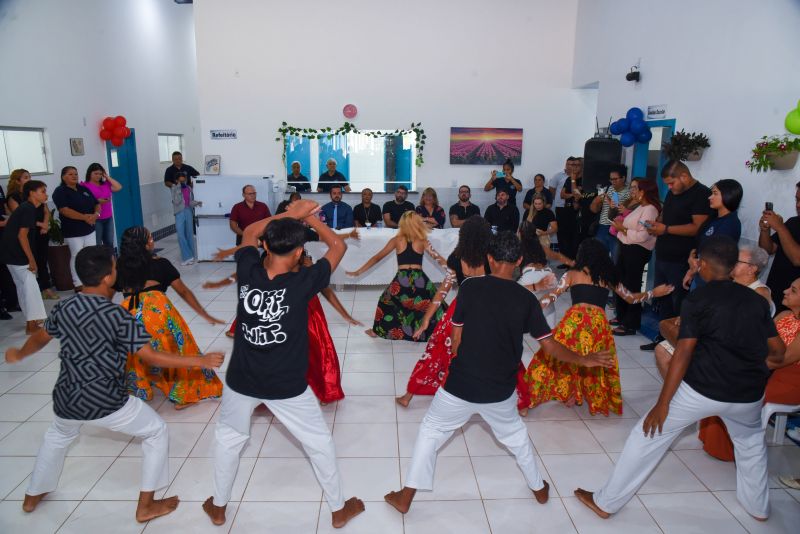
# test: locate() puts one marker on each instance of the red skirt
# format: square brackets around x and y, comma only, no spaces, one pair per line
[323,375]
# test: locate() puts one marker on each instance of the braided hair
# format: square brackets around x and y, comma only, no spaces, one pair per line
[133,265]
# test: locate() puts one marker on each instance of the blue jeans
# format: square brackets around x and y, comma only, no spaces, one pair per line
[184,226]
[610,241]
[104,232]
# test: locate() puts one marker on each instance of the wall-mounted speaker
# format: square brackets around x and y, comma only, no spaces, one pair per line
[600,156]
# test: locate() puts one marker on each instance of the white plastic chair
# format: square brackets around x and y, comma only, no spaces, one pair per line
[781,411]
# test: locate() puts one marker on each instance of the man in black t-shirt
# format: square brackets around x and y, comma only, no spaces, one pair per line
[726,345]
[177,166]
[502,214]
[785,245]
[463,209]
[686,208]
[297,179]
[492,316]
[270,354]
[332,177]
[366,212]
[394,209]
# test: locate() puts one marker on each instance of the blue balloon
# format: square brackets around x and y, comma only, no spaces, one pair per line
[627,139]
[634,113]
[644,137]
[638,126]
[623,125]
[615,128]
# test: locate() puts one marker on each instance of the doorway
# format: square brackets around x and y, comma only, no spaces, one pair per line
[123,166]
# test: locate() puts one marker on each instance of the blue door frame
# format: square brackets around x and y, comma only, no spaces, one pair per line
[123,166]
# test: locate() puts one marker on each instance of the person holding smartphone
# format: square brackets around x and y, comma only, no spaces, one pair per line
[781,238]
[102,187]
[505,181]
[608,205]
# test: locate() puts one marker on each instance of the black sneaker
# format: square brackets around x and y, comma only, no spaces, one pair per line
[652,346]
[4,315]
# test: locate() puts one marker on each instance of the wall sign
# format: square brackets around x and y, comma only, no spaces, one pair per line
[656,112]
[223,134]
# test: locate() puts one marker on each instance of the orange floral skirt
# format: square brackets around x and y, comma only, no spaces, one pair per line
[583,329]
[169,333]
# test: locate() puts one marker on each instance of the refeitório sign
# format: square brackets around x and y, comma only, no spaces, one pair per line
[223,134]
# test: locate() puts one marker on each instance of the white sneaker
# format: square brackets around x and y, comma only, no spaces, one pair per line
[190,261]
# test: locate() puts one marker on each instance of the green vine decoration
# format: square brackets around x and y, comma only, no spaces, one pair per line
[348,127]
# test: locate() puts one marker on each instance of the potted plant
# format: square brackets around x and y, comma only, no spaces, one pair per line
[777,152]
[684,146]
[58,256]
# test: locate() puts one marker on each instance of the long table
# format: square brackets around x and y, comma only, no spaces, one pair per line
[373,240]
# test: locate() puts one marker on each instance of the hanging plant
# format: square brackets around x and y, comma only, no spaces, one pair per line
[683,146]
[348,127]
[775,152]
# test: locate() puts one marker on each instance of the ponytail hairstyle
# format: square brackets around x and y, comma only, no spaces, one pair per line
[133,265]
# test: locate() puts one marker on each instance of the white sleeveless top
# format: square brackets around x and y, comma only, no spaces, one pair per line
[759,284]
[532,276]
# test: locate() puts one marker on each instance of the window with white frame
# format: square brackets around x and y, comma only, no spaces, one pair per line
[167,144]
[22,148]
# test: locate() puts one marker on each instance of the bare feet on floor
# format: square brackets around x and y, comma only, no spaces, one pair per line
[30,502]
[570,402]
[404,400]
[523,412]
[587,498]
[542,495]
[216,513]
[401,500]
[370,333]
[150,508]
[352,507]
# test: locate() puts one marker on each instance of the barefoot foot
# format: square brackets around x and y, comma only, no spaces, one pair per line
[542,495]
[587,498]
[153,508]
[523,412]
[404,400]
[370,333]
[352,507]
[184,405]
[570,402]
[30,502]
[401,500]
[216,513]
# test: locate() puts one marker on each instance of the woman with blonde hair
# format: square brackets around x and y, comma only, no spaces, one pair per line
[402,306]
[429,209]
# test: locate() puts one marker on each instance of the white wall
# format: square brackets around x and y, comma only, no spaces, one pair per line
[66,65]
[727,68]
[472,63]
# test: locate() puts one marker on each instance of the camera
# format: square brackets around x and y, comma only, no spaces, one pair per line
[633,76]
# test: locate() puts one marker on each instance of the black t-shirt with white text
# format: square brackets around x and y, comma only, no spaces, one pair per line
[678,210]
[731,324]
[485,368]
[270,348]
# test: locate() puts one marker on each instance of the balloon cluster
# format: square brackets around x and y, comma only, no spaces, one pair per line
[632,129]
[114,130]
[792,121]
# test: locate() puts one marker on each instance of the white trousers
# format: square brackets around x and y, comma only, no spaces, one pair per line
[76,244]
[447,413]
[642,454]
[28,294]
[135,418]
[303,419]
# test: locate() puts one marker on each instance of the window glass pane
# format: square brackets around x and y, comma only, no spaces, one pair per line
[25,149]
[4,169]
[167,144]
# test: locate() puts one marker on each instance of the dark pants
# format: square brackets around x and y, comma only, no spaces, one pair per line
[41,247]
[567,219]
[630,264]
[670,272]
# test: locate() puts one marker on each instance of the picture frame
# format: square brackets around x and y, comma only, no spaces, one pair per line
[485,146]
[76,147]
[212,164]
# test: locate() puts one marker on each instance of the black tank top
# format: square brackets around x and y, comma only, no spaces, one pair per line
[589,294]
[409,256]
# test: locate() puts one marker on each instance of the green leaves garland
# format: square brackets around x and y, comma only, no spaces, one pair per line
[348,127]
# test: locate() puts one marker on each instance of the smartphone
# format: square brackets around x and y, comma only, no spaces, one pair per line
[615,197]
[500,174]
[646,224]
[768,206]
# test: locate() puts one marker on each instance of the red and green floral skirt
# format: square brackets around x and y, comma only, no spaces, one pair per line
[584,329]
[402,306]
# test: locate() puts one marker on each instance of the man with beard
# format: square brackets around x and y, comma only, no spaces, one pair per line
[463,209]
[394,209]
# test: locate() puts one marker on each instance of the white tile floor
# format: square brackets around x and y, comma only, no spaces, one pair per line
[478,487]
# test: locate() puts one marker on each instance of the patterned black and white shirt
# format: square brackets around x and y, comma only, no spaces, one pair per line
[96,336]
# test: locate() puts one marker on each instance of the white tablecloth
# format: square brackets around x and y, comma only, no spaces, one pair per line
[373,240]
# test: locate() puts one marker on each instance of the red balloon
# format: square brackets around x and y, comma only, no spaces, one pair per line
[119,120]
[119,132]
[117,141]
[105,135]
[108,123]
[127,133]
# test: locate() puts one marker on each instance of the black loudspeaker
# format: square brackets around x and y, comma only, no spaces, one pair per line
[600,156]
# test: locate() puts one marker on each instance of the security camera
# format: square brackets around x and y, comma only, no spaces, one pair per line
[633,75]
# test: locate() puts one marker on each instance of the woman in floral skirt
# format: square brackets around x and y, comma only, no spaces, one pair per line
[403,304]
[583,329]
